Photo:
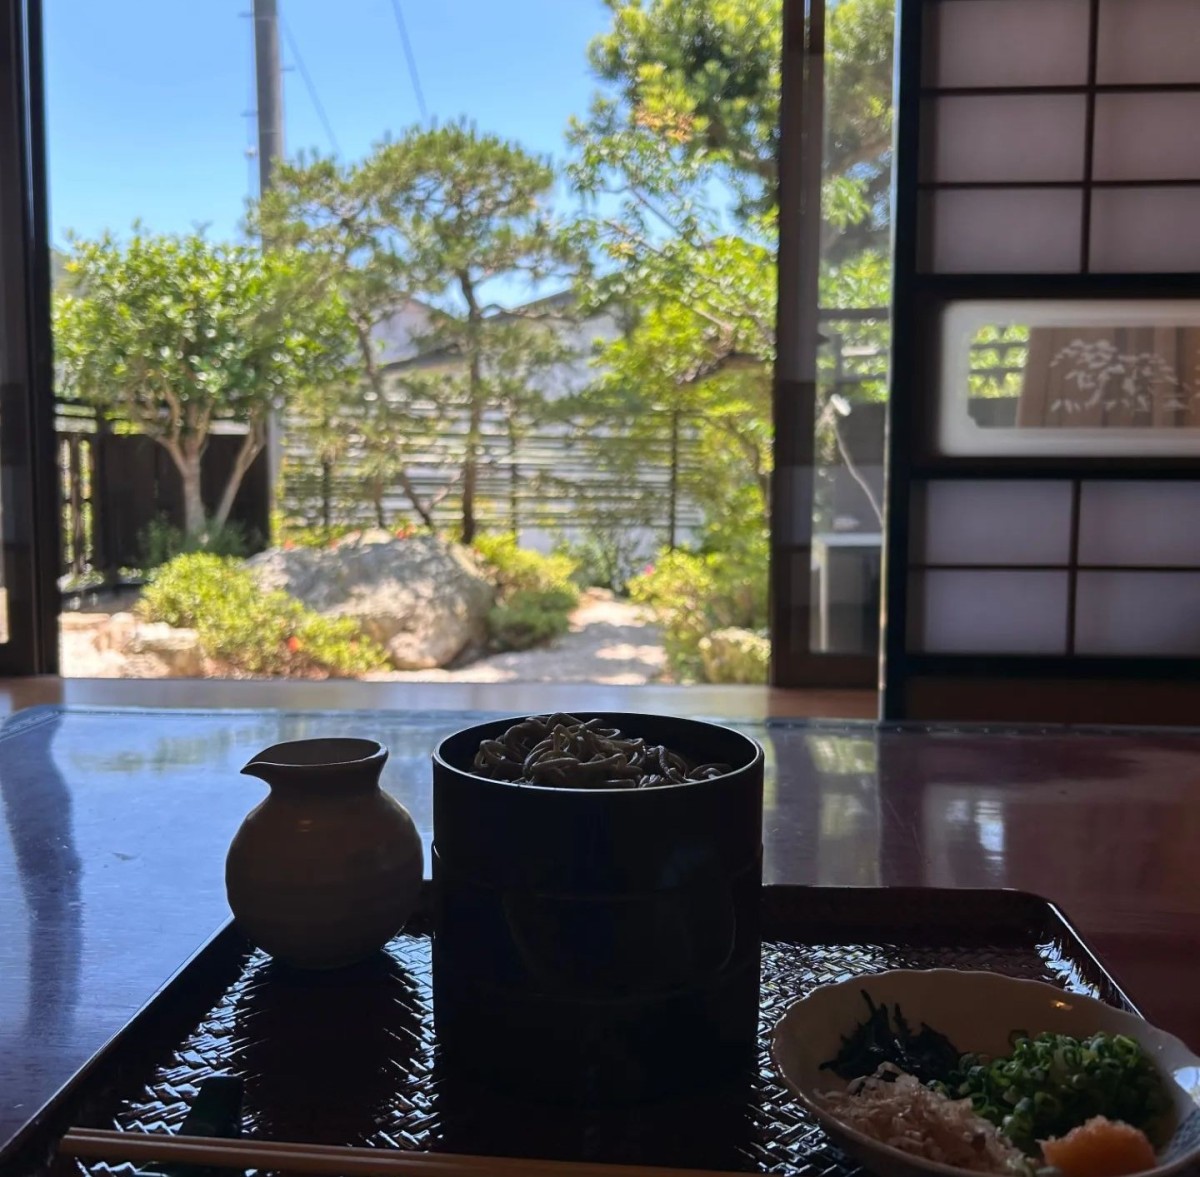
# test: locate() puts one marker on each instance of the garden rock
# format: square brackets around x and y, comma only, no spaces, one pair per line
[178,649]
[423,600]
[735,656]
[116,632]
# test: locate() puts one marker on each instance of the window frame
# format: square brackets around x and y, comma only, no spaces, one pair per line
[28,467]
[794,662]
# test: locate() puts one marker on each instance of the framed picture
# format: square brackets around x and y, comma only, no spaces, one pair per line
[1069,378]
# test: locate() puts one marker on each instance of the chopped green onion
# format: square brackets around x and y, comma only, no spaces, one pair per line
[1052,1083]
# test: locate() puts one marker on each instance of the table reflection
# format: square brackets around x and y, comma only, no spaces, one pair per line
[39,817]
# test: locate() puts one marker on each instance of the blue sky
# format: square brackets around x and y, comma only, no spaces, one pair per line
[146,99]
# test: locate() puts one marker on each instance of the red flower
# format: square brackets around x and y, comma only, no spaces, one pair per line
[293,644]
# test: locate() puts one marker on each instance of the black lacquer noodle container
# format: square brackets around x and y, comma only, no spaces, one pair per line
[599,945]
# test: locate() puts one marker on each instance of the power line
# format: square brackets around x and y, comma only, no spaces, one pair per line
[411,59]
[318,105]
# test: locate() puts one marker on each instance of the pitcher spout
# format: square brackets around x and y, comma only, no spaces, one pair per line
[258,768]
[315,760]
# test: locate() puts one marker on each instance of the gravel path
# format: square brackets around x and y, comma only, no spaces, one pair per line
[611,641]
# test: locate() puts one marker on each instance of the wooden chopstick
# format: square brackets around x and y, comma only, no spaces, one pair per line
[103,1144]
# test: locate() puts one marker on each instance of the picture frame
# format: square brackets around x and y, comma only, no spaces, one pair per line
[1097,377]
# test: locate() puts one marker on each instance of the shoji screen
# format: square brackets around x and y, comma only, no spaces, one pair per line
[1044,512]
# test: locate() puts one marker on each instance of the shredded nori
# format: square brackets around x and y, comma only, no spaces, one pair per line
[887,1038]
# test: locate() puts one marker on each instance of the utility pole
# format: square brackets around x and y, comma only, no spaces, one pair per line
[269,84]
[268,74]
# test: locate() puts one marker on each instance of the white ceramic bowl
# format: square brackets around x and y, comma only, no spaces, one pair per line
[976,1011]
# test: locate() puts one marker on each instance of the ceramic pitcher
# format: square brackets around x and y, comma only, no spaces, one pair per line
[328,868]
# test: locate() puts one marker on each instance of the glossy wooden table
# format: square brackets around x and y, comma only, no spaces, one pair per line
[118,823]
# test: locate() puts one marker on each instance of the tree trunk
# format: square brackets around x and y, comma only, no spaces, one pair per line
[326,492]
[423,509]
[475,399]
[471,465]
[193,501]
[673,485]
[250,448]
[366,344]
[514,476]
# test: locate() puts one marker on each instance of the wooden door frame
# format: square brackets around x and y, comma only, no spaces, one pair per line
[30,504]
[794,392]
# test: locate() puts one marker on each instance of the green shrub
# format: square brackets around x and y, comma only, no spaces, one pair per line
[735,655]
[161,541]
[515,568]
[693,594]
[607,559]
[679,589]
[184,590]
[318,537]
[535,594]
[531,617]
[252,630]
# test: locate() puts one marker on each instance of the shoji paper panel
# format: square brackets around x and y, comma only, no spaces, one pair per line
[1003,231]
[1146,229]
[1138,613]
[1147,136]
[987,612]
[1140,523]
[1147,41]
[1002,522]
[1006,43]
[1005,137]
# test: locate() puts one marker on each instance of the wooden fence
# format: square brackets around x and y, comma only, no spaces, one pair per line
[546,479]
[549,478]
[115,485]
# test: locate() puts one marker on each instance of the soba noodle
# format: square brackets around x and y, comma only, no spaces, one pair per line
[566,752]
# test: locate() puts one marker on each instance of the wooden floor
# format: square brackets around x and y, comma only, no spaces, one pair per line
[529,698]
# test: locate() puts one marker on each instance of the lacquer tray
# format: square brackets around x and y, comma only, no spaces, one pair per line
[351,1057]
